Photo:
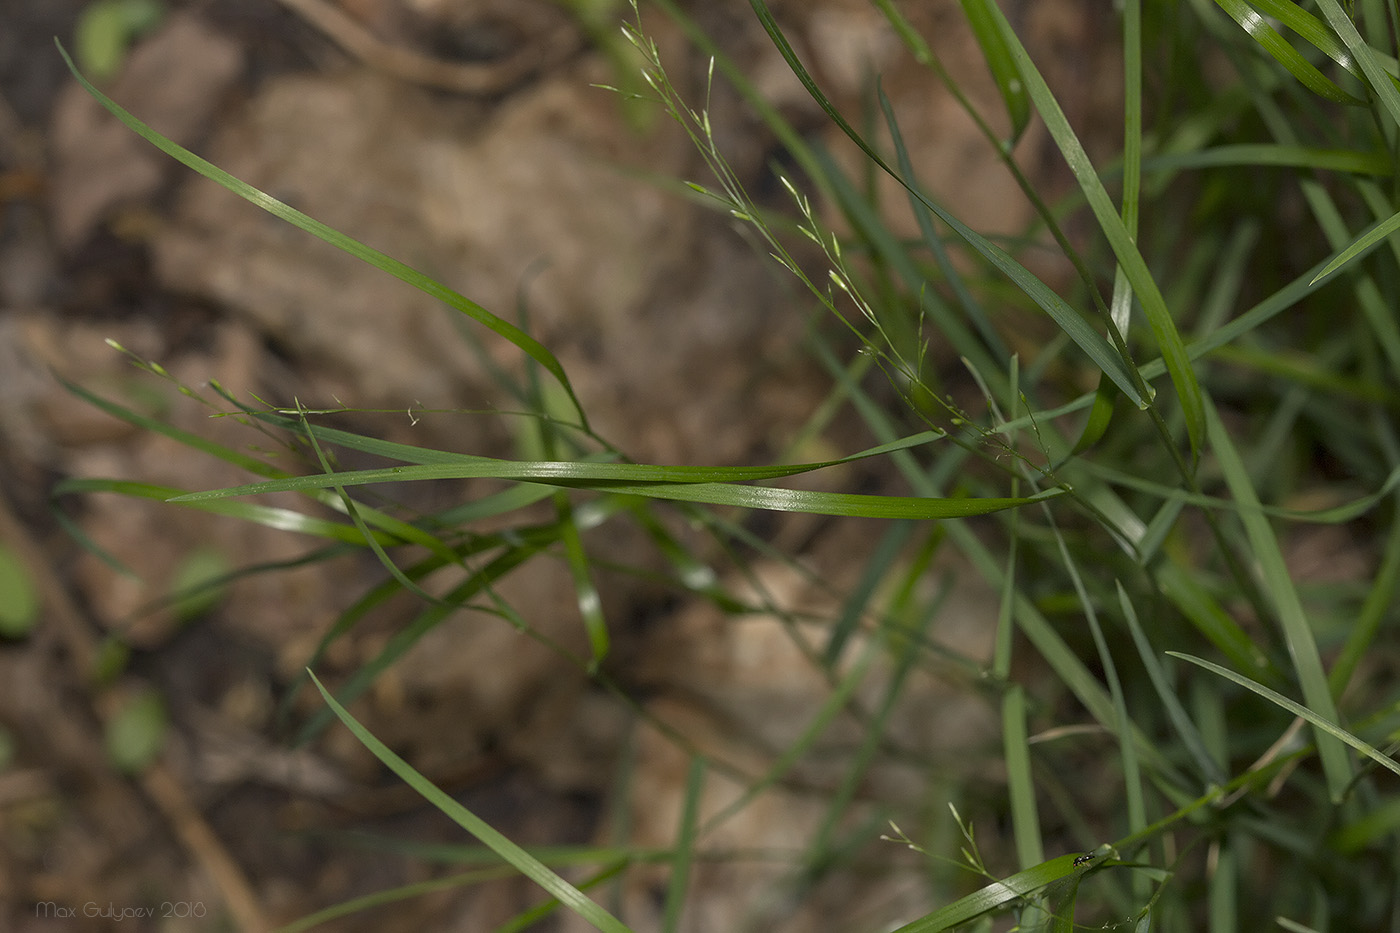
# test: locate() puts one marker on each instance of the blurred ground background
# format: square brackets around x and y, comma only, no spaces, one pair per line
[497,167]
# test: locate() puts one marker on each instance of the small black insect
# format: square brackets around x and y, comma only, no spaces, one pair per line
[1084,860]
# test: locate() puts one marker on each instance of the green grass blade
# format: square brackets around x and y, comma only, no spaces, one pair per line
[1286,55]
[590,604]
[1191,737]
[1381,82]
[1292,619]
[1100,417]
[532,347]
[951,327]
[1020,779]
[532,917]
[1015,729]
[1062,898]
[1002,65]
[1310,29]
[1132,148]
[685,847]
[1068,319]
[183,438]
[1200,608]
[1122,243]
[278,519]
[684,484]
[448,466]
[1323,725]
[832,706]
[1275,155]
[391,896]
[430,617]
[1374,236]
[511,853]
[995,895]
[1380,603]
[856,603]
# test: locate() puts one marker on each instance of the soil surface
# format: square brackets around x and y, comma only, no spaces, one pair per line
[467,138]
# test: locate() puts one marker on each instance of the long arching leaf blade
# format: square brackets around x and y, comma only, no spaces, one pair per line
[532,347]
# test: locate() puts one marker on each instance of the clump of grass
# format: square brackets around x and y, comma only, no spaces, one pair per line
[1193,733]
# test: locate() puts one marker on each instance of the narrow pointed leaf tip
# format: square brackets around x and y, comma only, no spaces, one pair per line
[1360,247]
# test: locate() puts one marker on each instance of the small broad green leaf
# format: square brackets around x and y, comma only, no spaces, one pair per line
[195,588]
[19,601]
[106,29]
[110,660]
[136,734]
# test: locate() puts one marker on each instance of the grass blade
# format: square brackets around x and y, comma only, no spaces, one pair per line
[1323,725]
[532,347]
[1191,737]
[1278,586]
[1154,306]
[1068,319]
[391,896]
[1275,155]
[1286,55]
[1380,602]
[1310,29]
[1194,601]
[405,638]
[1363,244]
[1015,728]
[989,898]
[1380,80]
[268,516]
[1002,65]
[590,604]
[685,847]
[683,484]
[512,854]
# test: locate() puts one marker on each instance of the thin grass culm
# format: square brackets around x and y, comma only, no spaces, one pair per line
[1142,446]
